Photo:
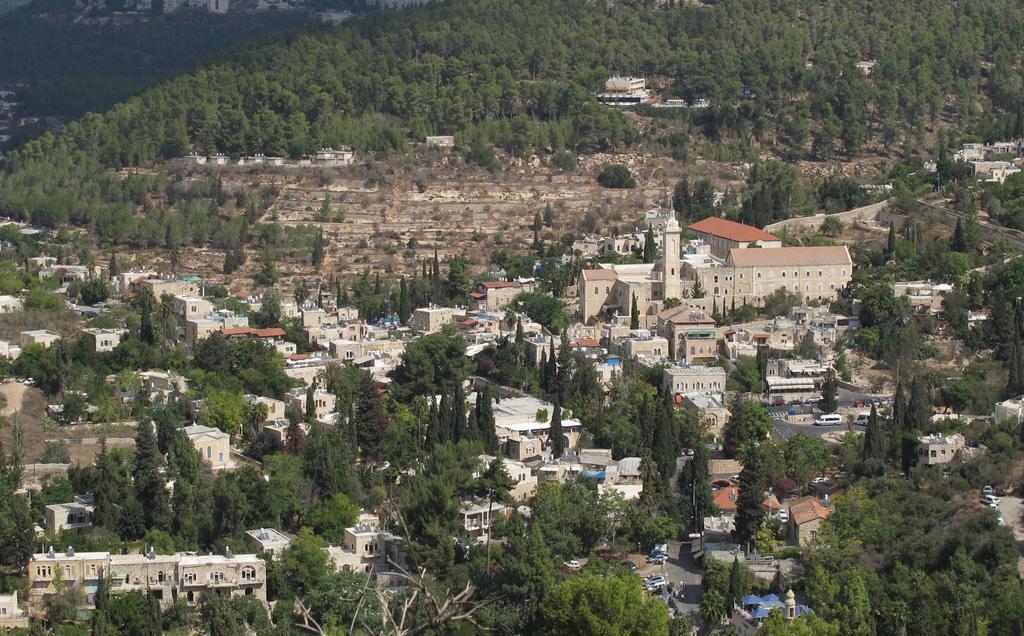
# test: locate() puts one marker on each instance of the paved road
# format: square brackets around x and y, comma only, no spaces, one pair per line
[785,429]
[1012,508]
[680,569]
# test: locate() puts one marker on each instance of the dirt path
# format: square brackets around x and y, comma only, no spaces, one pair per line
[14,396]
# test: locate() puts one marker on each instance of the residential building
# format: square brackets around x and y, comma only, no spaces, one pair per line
[624,91]
[268,540]
[523,476]
[431,319]
[192,307]
[644,346]
[104,340]
[748,275]
[11,614]
[370,548]
[496,294]
[213,444]
[806,515]
[690,331]
[74,514]
[275,408]
[10,304]
[687,379]
[925,297]
[162,385]
[723,236]
[331,158]
[163,577]
[43,337]
[441,141]
[323,402]
[939,449]
[170,286]
[477,517]
[712,405]
[1010,409]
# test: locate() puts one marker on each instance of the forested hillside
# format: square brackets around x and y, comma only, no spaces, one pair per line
[72,67]
[519,74]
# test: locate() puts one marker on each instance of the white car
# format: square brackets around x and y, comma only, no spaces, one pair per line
[784,515]
[814,399]
[990,500]
[572,564]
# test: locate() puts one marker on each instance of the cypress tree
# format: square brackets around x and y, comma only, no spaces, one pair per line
[146,332]
[556,438]
[919,409]
[444,417]
[458,413]
[404,302]
[959,242]
[545,383]
[150,488]
[890,246]
[874,444]
[520,336]
[749,511]
[664,444]
[735,581]
[485,420]
[634,314]
[899,417]
[311,403]
[552,368]
[650,246]
[113,269]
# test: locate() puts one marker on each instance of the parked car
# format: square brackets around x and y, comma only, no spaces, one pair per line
[862,419]
[987,490]
[1000,491]
[829,419]
[991,500]
[572,564]
[784,515]
[655,583]
[778,400]
[814,399]
[657,559]
[629,565]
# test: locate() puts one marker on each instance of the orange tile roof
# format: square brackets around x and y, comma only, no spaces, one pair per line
[685,316]
[238,331]
[791,256]
[808,509]
[269,332]
[725,498]
[589,343]
[731,230]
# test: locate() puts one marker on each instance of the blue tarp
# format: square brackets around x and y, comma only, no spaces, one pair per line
[751,599]
[592,475]
[769,598]
[761,612]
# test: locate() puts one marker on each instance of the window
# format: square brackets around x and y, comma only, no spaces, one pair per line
[820,273]
[248,573]
[759,275]
[716,279]
[796,274]
[783,274]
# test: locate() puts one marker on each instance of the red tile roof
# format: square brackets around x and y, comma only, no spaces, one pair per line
[588,343]
[478,295]
[238,331]
[725,498]
[808,509]
[731,230]
[269,332]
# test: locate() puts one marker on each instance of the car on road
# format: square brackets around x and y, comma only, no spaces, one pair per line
[778,400]
[829,419]
[862,419]
[990,500]
[657,559]
[814,399]
[572,564]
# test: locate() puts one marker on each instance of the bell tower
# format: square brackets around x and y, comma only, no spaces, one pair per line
[670,274]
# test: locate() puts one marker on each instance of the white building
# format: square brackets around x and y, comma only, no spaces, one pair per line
[624,91]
